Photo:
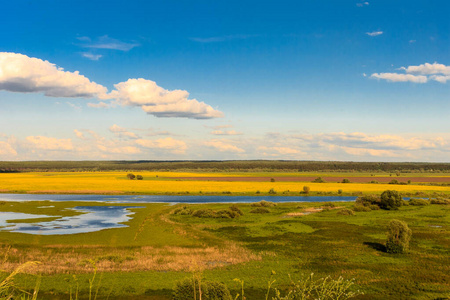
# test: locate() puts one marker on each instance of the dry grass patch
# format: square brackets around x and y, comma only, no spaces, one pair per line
[63,260]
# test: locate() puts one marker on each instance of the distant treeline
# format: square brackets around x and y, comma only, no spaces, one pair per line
[223,166]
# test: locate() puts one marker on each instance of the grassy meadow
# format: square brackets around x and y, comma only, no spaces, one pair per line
[159,247]
[144,260]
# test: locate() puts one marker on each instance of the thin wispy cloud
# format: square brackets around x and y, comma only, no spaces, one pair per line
[362,4]
[218,39]
[105,42]
[91,56]
[374,33]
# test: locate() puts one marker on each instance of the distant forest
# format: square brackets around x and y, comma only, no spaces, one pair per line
[223,166]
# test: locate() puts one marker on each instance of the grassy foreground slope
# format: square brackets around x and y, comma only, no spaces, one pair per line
[144,260]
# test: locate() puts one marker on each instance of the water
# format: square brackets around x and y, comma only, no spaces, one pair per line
[169,199]
[93,218]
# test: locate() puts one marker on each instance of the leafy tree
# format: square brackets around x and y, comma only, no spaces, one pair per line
[306,189]
[345,180]
[390,200]
[398,237]
[131,176]
[139,177]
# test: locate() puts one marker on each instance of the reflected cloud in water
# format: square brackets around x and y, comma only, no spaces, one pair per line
[93,218]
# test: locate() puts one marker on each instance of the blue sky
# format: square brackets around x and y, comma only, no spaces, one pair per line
[306,80]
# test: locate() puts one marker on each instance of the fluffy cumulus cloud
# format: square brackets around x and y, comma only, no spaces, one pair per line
[7,150]
[418,74]
[169,144]
[223,146]
[20,73]
[122,132]
[160,102]
[49,143]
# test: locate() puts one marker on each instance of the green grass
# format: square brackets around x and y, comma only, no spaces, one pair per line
[324,243]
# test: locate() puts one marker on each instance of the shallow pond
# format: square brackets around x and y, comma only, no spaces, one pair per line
[92,218]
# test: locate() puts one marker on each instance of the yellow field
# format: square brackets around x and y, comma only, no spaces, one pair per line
[166,183]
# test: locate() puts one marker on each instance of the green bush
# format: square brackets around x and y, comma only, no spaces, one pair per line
[329,204]
[346,212]
[183,211]
[398,237]
[345,180]
[139,177]
[190,288]
[319,180]
[131,176]
[440,201]
[394,181]
[272,192]
[368,200]
[374,207]
[236,209]
[358,207]
[390,200]
[204,213]
[306,189]
[263,203]
[418,202]
[260,210]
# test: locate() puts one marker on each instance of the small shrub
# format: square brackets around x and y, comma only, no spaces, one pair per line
[361,208]
[368,200]
[272,192]
[440,201]
[390,200]
[190,288]
[204,213]
[131,176]
[393,181]
[418,202]
[272,179]
[260,210]
[258,192]
[319,180]
[236,209]
[139,177]
[346,212]
[398,237]
[373,181]
[339,191]
[329,204]
[182,211]
[374,207]
[306,189]
[405,203]
[345,180]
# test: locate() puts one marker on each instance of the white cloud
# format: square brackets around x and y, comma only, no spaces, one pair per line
[160,102]
[91,56]
[441,78]
[122,132]
[418,74]
[105,42]
[170,144]
[20,73]
[396,77]
[374,33]
[74,106]
[362,4]
[223,146]
[79,134]
[428,69]
[226,132]
[50,143]
[7,150]
[225,38]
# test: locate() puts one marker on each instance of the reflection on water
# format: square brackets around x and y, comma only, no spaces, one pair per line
[94,218]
